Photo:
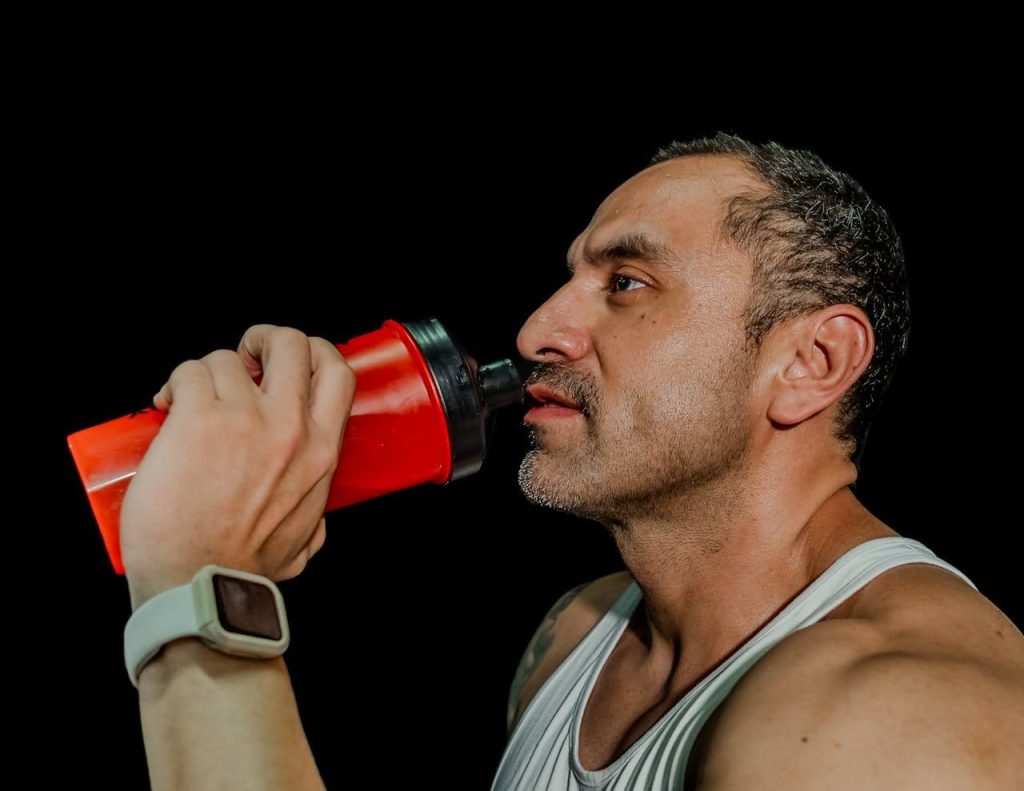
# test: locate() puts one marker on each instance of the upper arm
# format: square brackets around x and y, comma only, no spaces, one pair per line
[893,720]
[561,629]
[536,651]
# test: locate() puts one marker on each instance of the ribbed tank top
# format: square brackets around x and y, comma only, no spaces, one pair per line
[543,750]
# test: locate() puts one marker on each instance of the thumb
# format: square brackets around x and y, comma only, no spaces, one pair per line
[162,399]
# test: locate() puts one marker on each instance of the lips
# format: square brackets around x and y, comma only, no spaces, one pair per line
[542,394]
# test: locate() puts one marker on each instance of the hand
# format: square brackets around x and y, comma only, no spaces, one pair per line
[239,472]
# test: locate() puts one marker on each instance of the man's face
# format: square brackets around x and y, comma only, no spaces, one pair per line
[653,352]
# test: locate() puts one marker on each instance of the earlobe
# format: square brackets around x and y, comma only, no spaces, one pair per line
[822,355]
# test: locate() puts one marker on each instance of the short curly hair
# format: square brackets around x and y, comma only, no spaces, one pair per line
[816,239]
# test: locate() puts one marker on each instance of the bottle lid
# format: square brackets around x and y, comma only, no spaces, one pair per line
[470,392]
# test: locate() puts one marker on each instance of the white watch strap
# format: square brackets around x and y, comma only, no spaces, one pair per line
[165,617]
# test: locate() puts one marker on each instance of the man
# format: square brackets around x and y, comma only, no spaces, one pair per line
[733,314]
[732,317]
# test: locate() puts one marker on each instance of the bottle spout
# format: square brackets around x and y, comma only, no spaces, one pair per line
[500,384]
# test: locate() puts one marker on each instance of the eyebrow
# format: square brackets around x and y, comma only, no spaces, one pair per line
[635,246]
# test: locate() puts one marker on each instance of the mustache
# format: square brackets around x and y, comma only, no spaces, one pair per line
[560,377]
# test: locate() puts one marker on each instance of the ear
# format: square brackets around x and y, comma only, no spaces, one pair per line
[819,357]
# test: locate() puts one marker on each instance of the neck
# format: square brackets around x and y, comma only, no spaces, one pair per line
[717,564]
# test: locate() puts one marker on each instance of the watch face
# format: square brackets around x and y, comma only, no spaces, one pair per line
[246,607]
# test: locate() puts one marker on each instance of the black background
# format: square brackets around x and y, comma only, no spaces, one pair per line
[183,218]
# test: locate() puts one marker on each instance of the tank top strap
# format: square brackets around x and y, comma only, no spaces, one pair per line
[847,575]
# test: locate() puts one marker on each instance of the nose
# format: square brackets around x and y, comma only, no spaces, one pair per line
[556,331]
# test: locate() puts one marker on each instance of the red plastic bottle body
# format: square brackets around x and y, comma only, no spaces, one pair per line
[396,436]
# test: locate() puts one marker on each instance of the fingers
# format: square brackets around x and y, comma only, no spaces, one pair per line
[289,365]
[332,388]
[232,378]
[190,385]
[283,354]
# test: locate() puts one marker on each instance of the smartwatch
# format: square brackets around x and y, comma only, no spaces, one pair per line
[230,610]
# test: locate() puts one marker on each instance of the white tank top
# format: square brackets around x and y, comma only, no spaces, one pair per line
[543,751]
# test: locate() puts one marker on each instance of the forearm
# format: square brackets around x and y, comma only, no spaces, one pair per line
[211,720]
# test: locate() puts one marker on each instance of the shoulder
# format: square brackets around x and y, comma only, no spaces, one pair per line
[564,625]
[922,686]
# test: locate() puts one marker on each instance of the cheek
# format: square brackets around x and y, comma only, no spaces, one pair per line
[672,389]
[650,400]
[661,373]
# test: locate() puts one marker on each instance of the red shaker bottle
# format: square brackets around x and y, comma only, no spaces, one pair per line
[419,414]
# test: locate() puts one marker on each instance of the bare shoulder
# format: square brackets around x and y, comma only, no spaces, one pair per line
[566,623]
[919,685]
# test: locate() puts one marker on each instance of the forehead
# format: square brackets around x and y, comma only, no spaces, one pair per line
[678,203]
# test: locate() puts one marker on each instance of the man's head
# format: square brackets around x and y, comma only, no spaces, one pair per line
[727,295]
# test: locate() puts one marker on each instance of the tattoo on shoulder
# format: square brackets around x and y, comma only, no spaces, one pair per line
[538,647]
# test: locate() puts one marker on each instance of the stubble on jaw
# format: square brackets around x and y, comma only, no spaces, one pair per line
[659,460]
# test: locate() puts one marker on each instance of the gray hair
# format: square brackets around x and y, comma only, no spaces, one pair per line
[816,239]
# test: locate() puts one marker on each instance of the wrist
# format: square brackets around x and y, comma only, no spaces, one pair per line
[143,586]
[145,582]
[228,610]
[140,593]
[190,657]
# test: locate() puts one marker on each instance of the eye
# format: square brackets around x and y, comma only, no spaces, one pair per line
[616,279]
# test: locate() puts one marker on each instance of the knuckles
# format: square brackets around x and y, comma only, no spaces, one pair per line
[259,329]
[273,334]
[347,381]
[289,335]
[224,357]
[333,358]
[189,367]
[282,430]
[348,374]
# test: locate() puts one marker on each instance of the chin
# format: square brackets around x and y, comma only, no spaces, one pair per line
[548,487]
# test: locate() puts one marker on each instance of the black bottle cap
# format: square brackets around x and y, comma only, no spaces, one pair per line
[500,384]
[469,391]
